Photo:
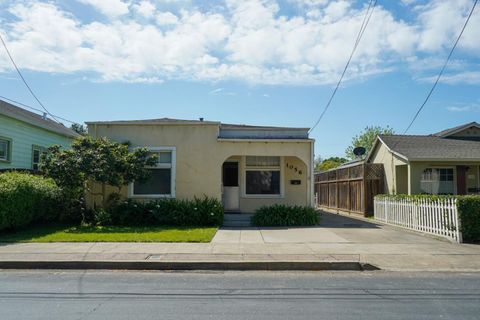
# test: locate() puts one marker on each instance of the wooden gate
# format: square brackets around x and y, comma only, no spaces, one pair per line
[350,188]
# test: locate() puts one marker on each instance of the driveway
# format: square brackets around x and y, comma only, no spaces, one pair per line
[341,236]
[334,228]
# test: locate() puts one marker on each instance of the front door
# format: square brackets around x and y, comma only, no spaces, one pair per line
[462,180]
[231,190]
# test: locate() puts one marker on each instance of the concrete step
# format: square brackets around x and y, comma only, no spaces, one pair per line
[237,217]
[237,220]
[236,224]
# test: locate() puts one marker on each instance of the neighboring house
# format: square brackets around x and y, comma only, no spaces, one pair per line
[447,162]
[24,135]
[244,166]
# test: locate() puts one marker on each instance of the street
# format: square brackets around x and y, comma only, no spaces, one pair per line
[238,295]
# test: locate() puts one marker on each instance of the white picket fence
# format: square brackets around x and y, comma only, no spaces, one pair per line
[437,217]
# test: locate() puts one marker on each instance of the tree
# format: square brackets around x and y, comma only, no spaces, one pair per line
[95,160]
[366,138]
[329,163]
[79,128]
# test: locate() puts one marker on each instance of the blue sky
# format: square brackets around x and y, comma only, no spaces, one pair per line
[261,62]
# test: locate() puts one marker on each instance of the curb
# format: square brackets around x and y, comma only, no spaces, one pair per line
[190,266]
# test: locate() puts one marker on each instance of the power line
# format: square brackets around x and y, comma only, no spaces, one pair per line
[443,68]
[366,20]
[24,81]
[32,108]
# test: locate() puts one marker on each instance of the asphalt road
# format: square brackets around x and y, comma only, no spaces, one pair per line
[237,295]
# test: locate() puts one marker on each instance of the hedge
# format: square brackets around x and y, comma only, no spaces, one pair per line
[195,212]
[284,215]
[26,198]
[468,211]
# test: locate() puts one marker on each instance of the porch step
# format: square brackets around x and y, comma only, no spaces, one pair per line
[237,220]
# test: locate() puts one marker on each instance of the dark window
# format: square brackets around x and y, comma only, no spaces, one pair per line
[263,182]
[158,183]
[4,150]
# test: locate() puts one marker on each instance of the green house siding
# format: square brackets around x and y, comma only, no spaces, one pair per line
[23,136]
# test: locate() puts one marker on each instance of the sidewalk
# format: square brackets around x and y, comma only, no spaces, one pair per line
[339,243]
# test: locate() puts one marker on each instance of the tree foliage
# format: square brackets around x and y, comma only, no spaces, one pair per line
[79,128]
[95,160]
[329,163]
[366,138]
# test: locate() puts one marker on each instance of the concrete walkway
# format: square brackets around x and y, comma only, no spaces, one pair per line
[338,239]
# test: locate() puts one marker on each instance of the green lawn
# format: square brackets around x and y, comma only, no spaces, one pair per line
[110,234]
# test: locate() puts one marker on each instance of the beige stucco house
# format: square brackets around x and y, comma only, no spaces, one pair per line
[447,162]
[245,167]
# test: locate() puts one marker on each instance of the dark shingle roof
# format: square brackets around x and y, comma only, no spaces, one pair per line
[432,147]
[34,119]
[447,132]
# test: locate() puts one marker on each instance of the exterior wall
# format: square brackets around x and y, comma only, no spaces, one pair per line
[293,194]
[418,167]
[390,164]
[200,156]
[402,179]
[23,136]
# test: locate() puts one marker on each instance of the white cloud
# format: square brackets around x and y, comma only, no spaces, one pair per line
[110,8]
[166,18]
[145,8]
[462,107]
[216,91]
[468,77]
[248,40]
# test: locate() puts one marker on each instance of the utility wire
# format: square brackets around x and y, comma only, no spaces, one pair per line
[24,81]
[438,77]
[366,20]
[32,108]
[442,70]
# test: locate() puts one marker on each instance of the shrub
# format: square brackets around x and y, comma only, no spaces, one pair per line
[469,212]
[197,212]
[283,215]
[26,198]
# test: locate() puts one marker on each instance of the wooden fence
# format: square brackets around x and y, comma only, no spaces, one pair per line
[349,188]
[438,217]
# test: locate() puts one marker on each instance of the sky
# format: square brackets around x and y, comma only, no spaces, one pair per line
[259,62]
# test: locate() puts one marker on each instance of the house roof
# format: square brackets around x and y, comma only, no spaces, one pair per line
[153,122]
[447,132]
[250,127]
[34,119]
[182,121]
[415,147]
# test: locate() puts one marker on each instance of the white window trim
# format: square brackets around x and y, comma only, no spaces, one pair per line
[40,149]
[444,167]
[244,170]
[173,165]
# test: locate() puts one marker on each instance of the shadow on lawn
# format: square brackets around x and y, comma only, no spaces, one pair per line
[36,232]
[30,233]
[121,229]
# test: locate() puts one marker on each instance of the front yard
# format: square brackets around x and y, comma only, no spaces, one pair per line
[56,233]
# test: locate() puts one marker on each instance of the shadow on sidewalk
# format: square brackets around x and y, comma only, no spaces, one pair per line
[331,220]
